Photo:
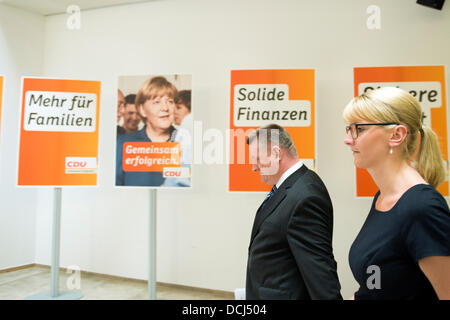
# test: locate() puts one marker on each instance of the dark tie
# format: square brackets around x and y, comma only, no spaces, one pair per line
[270,194]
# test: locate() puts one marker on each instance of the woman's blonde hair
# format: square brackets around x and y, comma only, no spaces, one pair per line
[390,104]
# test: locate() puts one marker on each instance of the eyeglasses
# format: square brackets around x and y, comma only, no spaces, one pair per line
[354,127]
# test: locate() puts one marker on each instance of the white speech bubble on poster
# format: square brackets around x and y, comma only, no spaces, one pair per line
[427,93]
[60,111]
[262,104]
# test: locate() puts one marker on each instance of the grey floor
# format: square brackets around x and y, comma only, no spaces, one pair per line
[19,284]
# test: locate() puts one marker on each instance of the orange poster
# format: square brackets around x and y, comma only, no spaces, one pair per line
[262,97]
[1,99]
[59,132]
[427,85]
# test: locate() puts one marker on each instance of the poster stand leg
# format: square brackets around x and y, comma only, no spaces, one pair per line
[152,247]
[56,231]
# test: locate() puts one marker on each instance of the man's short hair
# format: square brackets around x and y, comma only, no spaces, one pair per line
[130,99]
[275,135]
[184,97]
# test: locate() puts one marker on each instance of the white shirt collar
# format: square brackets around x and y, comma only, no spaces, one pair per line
[288,172]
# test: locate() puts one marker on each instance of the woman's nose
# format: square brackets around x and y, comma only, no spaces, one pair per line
[165,105]
[348,140]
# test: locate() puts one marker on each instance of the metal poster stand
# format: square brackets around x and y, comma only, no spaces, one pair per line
[56,232]
[152,247]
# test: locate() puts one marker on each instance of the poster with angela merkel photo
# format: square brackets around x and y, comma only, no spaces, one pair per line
[154,131]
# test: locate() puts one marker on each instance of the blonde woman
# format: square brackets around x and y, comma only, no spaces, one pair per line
[403,249]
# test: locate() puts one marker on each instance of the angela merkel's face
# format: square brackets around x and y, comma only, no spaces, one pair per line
[158,112]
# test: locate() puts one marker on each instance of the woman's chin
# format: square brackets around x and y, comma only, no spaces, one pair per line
[358,164]
[164,125]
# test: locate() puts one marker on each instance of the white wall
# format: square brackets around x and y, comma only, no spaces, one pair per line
[203,233]
[21,53]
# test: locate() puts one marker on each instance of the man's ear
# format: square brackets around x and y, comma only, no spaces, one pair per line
[276,152]
[398,135]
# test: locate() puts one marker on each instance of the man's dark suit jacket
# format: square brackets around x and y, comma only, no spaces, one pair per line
[290,252]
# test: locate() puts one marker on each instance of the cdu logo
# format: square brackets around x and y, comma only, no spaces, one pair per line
[176,172]
[81,165]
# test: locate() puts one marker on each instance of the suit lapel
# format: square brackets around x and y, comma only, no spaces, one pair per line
[274,201]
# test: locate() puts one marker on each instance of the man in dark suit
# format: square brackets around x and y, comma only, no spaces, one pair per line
[290,253]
